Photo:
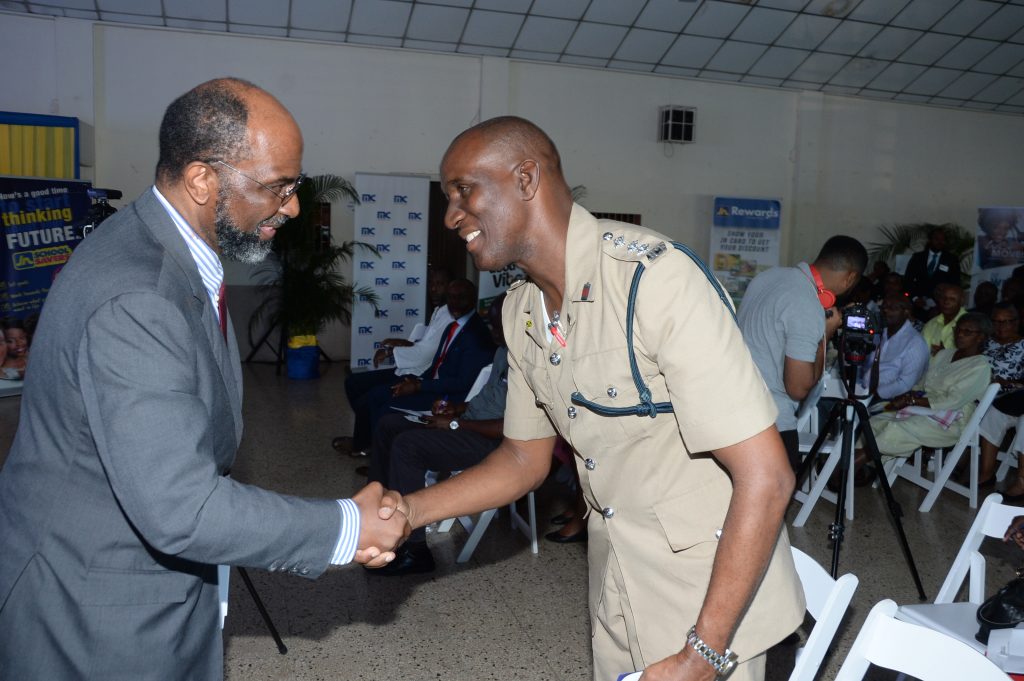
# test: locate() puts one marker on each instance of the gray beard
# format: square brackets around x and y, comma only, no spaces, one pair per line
[238,245]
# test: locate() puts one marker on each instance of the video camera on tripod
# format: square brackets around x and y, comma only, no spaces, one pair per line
[857,339]
[100,210]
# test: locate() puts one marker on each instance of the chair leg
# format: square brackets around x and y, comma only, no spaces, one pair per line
[479,527]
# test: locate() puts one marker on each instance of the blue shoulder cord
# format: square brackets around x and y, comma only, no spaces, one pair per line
[647,407]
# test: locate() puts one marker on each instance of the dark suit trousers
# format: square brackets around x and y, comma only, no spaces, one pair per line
[415,449]
[357,389]
[379,402]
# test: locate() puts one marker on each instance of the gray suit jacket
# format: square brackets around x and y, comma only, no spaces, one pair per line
[114,506]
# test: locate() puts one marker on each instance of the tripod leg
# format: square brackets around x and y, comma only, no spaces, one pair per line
[281,648]
[838,529]
[895,511]
[811,498]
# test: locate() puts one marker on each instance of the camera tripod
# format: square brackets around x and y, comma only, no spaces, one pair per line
[842,415]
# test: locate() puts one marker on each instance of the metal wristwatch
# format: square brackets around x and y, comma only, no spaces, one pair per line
[454,424]
[724,663]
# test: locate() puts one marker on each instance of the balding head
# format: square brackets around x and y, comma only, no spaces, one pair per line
[515,138]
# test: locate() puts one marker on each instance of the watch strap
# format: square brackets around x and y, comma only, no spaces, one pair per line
[724,663]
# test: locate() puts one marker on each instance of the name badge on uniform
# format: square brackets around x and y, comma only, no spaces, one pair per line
[943,268]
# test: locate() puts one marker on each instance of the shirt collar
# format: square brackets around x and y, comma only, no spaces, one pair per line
[207,262]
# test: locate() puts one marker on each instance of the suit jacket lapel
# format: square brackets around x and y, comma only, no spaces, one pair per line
[159,223]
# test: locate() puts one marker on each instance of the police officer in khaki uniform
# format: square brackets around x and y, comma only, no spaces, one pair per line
[688,557]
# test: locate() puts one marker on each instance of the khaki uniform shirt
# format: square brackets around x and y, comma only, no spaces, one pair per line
[659,498]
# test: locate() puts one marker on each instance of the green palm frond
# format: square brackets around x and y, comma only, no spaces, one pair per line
[907,238]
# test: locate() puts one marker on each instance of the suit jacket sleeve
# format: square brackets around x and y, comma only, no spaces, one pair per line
[142,372]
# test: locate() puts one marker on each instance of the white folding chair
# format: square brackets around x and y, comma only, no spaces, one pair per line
[923,653]
[476,527]
[1009,457]
[915,468]
[959,619]
[827,601]
[223,577]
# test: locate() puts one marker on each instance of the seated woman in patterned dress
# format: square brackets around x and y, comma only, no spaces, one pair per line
[1005,352]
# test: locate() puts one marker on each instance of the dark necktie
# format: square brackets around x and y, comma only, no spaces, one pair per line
[452,328]
[222,309]
[933,263]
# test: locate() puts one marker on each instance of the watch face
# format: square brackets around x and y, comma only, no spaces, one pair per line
[453,424]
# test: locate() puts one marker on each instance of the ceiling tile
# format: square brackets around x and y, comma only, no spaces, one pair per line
[850,37]
[982,106]
[967,53]
[967,85]
[1001,59]
[631,66]
[794,5]
[379,17]
[82,14]
[859,72]
[1016,100]
[839,89]
[596,40]
[429,45]
[131,18]
[519,6]
[666,15]
[933,81]
[801,85]
[545,35]
[819,67]
[763,25]
[622,12]
[779,62]
[196,9]
[194,25]
[306,34]
[896,77]
[497,29]
[534,56]
[483,49]
[879,11]
[1017,71]
[563,9]
[876,94]
[70,4]
[691,51]
[946,101]
[966,16]
[321,15]
[151,7]
[1003,24]
[807,31]
[930,48]
[839,9]
[716,19]
[1010,109]
[436,23]
[736,57]
[262,13]
[1018,37]
[758,80]
[383,41]
[582,61]
[643,45]
[676,71]
[1000,90]
[923,13]
[453,3]
[890,43]
[720,75]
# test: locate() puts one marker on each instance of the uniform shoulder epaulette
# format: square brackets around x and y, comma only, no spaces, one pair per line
[634,246]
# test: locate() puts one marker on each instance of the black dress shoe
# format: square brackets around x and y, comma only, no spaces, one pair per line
[411,560]
[342,444]
[566,539]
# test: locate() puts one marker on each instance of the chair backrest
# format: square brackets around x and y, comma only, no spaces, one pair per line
[992,520]
[479,383]
[969,436]
[827,601]
[807,414]
[923,653]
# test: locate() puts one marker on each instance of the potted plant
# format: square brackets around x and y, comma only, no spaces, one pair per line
[907,238]
[301,288]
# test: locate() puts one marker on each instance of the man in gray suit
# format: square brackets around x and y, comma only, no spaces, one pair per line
[114,504]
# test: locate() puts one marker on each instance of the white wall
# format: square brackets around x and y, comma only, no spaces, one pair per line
[839,164]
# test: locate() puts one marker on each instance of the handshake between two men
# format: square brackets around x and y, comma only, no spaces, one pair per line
[383,525]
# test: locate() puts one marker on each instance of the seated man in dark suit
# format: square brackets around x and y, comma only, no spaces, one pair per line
[464,349]
[929,267]
[455,437]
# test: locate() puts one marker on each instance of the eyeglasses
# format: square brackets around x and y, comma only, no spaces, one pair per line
[288,192]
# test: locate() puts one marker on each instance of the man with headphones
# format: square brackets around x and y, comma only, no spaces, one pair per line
[787,316]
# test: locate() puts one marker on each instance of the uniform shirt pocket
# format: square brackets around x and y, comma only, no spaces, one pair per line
[693,517]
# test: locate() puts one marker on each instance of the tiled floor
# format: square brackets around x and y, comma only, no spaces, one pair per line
[507,614]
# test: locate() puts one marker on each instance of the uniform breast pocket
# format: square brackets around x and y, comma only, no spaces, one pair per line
[537,378]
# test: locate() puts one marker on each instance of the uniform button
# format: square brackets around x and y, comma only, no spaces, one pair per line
[590,464]
[718,533]
[612,392]
[571,411]
[275,565]
[607,236]
[608,512]
[555,359]
[304,571]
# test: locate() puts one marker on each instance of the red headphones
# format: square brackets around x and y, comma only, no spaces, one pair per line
[825,297]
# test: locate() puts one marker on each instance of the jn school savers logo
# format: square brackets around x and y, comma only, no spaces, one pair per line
[42,257]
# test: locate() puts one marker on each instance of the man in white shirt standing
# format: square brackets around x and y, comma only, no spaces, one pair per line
[411,357]
[902,357]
